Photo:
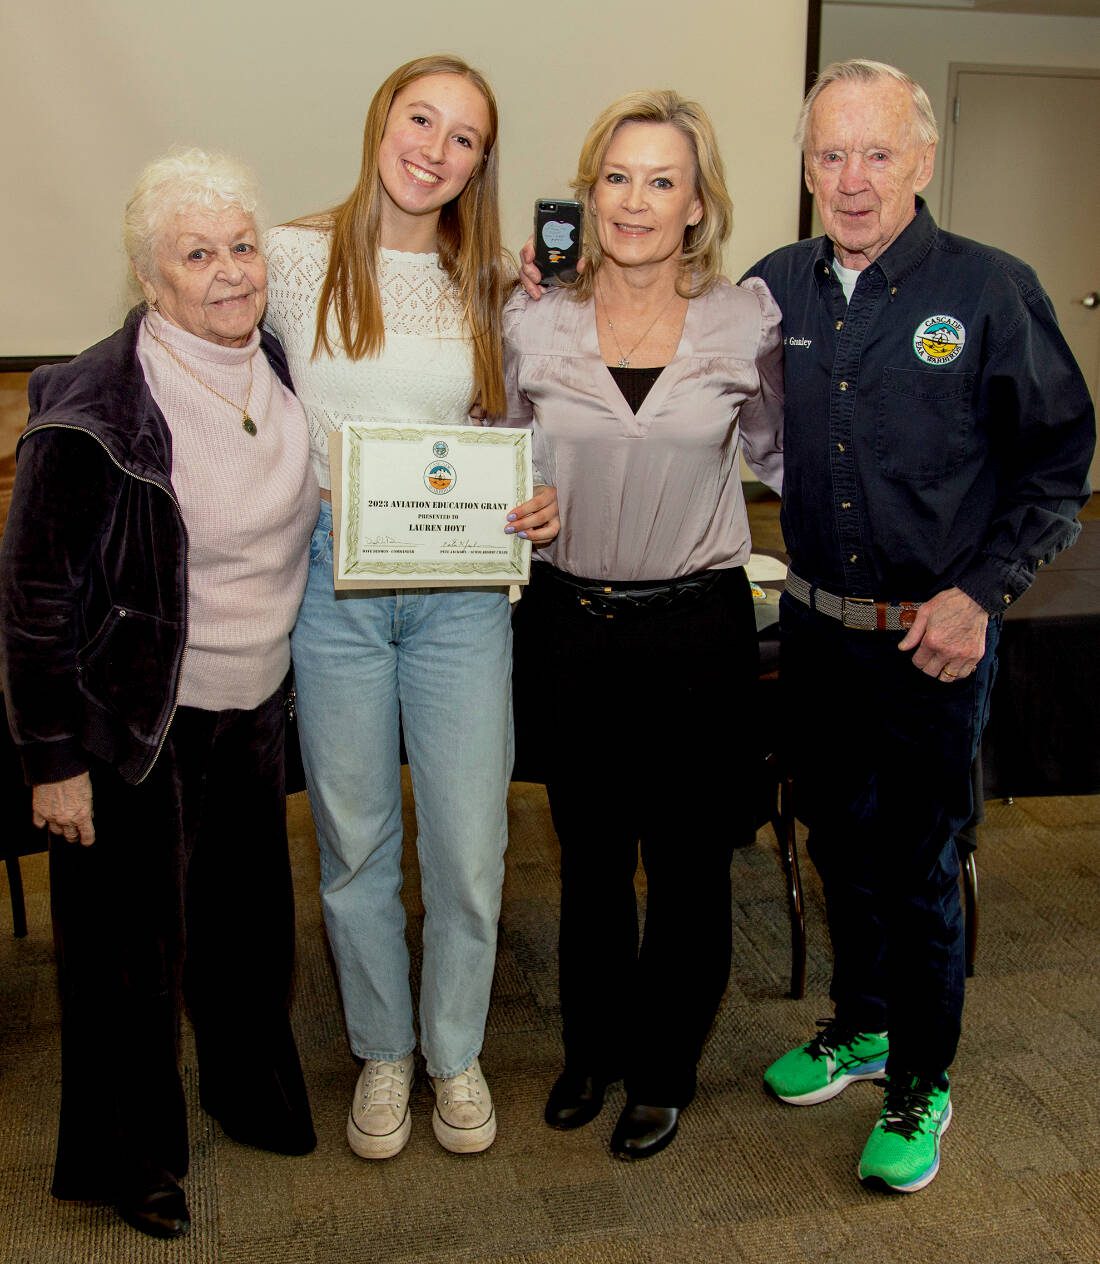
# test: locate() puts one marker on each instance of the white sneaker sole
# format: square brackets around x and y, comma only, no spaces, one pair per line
[371,1145]
[835,1087]
[464,1140]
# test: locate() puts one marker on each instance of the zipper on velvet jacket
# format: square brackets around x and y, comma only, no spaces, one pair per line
[60,425]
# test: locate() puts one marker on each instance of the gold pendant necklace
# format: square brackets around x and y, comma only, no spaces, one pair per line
[624,356]
[247,424]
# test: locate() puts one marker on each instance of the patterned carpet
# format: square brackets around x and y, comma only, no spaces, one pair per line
[748,1180]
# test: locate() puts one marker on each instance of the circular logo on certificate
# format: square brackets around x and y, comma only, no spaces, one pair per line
[439,448]
[939,339]
[440,478]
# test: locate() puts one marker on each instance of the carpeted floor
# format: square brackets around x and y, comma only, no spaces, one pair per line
[748,1179]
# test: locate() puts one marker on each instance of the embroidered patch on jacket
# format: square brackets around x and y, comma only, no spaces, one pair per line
[939,339]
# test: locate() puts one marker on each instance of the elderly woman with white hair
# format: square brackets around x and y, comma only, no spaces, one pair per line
[152,567]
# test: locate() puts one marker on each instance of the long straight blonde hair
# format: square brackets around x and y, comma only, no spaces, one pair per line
[468,238]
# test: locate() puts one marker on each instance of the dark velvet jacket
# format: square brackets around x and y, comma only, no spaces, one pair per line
[93,567]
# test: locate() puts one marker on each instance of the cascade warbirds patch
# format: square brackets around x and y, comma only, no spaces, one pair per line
[939,339]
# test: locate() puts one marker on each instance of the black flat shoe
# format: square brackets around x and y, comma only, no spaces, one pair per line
[160,1212]
[575,1100]
[643,1131]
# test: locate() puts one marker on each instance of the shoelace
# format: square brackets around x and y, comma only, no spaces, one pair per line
[463,1087]
[385,1086]
[905,1109]
[829,1039]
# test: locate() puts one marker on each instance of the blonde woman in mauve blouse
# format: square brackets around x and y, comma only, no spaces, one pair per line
[390,309]
[645,380]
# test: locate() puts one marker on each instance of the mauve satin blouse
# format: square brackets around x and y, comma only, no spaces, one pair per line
[657,494]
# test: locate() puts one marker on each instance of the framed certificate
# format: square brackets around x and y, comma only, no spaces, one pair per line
[419,506]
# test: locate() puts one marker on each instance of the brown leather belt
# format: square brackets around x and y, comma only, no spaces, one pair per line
[862,613]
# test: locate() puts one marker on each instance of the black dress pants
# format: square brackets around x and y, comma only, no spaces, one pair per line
[647,722]
[186,893]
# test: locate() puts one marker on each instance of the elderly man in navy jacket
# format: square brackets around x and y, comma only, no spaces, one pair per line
[937,442]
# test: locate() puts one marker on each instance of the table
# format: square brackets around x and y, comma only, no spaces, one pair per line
[1043,735]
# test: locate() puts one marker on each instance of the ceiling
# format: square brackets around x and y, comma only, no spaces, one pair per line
[1043,8]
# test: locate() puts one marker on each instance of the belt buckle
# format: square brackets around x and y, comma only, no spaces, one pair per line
[907,613]
[866,624]
[881,622]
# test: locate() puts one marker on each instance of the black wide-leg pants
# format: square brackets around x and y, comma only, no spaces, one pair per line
[185,895]
[647,725]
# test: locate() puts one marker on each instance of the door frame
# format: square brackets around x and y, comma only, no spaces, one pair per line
[954,70]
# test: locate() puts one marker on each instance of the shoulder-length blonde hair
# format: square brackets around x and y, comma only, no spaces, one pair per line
[701,265]
[468,241]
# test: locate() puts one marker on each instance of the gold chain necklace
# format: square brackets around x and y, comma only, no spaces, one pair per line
[624,356]
[247,424]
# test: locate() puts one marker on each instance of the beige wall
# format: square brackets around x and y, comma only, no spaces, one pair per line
[90,92]
[924,43]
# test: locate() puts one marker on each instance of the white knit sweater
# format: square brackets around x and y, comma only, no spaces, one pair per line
[425,370]
[249,504]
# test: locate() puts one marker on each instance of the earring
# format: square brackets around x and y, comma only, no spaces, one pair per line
[151,303]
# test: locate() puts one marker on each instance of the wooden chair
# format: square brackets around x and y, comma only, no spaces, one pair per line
[20,838]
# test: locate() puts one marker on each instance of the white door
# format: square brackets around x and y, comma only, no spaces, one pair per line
[1024,174]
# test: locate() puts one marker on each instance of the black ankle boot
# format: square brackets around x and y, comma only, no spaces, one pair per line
[575,1100]
[160,1212]
[644,1130]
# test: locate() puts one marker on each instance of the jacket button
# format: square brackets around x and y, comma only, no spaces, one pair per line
[844,386]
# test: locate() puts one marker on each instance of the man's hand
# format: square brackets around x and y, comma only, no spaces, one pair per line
[948,635]
[536,519]
[529,275]
[65,808]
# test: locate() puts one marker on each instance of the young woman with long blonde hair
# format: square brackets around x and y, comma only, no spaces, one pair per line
[389,306]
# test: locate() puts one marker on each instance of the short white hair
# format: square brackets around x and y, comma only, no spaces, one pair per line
[183,179]
[860,70]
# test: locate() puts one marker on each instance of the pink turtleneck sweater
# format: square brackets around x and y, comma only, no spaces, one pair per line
[249,504]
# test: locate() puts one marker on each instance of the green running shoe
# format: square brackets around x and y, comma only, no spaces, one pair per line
[903,1151]
[835,1058]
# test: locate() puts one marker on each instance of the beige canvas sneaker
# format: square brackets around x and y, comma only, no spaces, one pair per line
[379,1122]
[464,1121]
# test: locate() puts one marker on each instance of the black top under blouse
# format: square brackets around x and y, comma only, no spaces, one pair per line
[635,384]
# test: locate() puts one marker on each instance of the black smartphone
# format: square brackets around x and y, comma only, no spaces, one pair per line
[557,239]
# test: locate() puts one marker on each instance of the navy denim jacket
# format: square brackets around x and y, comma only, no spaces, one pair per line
[93,567]
[937,431]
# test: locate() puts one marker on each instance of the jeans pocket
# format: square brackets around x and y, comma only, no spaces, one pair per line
[320,542]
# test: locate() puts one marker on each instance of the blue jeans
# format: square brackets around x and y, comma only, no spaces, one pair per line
[437,662]
[881,757]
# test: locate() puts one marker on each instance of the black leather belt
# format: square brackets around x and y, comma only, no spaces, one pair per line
[613,598]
